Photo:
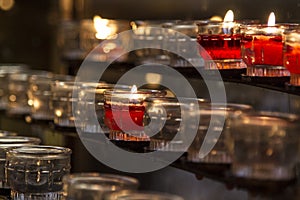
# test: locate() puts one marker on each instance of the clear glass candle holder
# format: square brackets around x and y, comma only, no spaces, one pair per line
[145,195]
[212,115]
[61,102]
[124,112]
[291,54]
[10,142]
[264,146]
[36,172]
[91,103]
[162,119]
[220,45]
[17,88]
[182,37]
[95,185]
[150,33]
[262,50]
[5,70]
[39,94]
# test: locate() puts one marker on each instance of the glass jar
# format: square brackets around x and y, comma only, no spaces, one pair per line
[220,45]
[264,145]
[163,119]
[213,132]
[291,54]
[10,142]
[181,36]
[95,185]
[5,70]
[18,86]
[150,34]
[91,103]
[124,112]
[61,102]
[36,172]
[39,94]
[262,50]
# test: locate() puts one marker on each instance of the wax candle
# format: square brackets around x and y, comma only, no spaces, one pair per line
[221,43]
[262,49]
[291,55]
[124,112]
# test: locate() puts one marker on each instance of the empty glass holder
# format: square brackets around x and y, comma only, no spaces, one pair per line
[212,131]
[264,145]
[36,172]
[95,185]
[40,94]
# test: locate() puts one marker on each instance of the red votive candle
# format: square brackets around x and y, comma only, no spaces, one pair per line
[262,50]
[291,55]
[124,113]
[220,45]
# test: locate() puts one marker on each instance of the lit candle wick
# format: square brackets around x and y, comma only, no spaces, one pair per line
[133,94]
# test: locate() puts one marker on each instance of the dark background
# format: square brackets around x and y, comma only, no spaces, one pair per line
[28,31]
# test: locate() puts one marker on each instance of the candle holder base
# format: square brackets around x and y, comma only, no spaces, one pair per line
[295,80]
[121,136]
[64,122]
[214,157]
[225,64]
[267,71]
[92,128]
[167,145]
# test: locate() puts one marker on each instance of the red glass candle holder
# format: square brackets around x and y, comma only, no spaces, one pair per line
[221,45]
[124,112]
[291,55]
[262,50]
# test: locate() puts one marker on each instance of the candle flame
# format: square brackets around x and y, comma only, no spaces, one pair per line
[229,17]
[133,94]
[101,26]
[133,89]
[271,20]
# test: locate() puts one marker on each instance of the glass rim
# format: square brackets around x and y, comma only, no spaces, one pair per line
[171,100]
[136,195]
[76,84]
[103,86]
[139,91]
[152,23]
[99,178]
[8,68]
[24,75]
[50,77]
[277,25]
[268,118]
[215,23]
[4,140]
[40,152]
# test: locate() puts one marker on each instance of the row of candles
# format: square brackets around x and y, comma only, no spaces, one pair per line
[30,170]
[266,50]
[257,145]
